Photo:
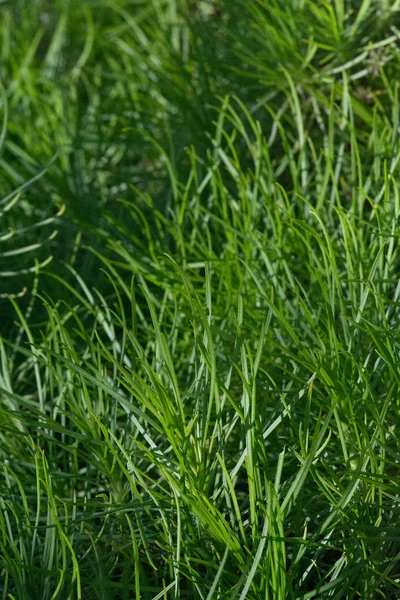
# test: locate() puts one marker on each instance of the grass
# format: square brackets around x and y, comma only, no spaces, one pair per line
[199,373]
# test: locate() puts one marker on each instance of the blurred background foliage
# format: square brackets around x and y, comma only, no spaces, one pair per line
[103,89]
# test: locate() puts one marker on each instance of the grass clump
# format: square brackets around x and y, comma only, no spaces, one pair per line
[201,399]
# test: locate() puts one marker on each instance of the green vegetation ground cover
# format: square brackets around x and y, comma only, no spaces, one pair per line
[199,333]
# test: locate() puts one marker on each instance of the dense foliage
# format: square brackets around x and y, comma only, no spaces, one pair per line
[200,299]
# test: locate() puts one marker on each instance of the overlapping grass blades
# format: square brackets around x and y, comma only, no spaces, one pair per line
[215,413]
[225,426]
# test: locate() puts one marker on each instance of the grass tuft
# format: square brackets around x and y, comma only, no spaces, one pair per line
[199,395]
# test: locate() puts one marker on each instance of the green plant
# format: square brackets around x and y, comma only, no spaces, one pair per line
[213,413]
